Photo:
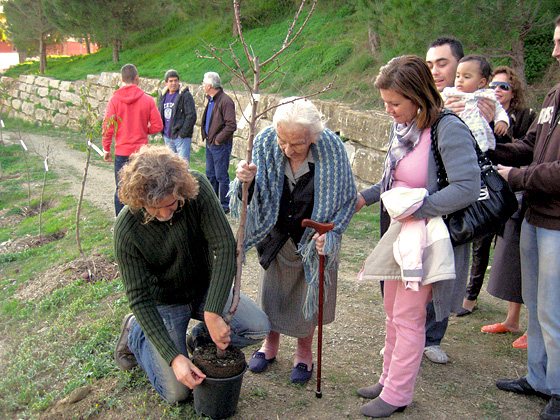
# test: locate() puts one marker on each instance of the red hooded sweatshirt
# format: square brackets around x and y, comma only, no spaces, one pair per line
[130,115]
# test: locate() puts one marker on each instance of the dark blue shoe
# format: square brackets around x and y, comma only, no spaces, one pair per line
[300,374]
[259,362]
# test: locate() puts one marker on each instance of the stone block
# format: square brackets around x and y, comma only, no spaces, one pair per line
[28,108]
[24,95]
[42,91]
[66,96]
[93,79]
[46,103]
[42,81]
[61,107]
[65,85]
[368,164]
[40,114]
[16,104]
[110,80]
[24,78]
[60,120]
[54,83]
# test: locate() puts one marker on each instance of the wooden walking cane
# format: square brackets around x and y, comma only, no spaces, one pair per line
[321,228]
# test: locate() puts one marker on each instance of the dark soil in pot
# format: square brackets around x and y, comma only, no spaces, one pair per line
[207,360]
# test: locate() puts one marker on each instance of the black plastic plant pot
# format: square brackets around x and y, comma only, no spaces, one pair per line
[217,398]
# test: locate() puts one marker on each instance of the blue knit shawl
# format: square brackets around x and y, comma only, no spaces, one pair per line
[335,199]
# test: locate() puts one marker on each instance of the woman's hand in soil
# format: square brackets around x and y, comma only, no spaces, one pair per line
[218,329]
[186,372]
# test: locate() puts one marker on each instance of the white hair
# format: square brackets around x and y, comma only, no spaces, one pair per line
[299,111]
[213,79]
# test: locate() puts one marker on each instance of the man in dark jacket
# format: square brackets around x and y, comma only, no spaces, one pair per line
[178,113]
[535,169]
[218,125]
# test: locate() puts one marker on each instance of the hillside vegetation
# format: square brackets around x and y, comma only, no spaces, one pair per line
[347,41]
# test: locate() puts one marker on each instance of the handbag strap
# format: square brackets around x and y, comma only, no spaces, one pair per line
[442,180]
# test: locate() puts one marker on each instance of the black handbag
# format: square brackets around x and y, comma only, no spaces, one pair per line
[485,216]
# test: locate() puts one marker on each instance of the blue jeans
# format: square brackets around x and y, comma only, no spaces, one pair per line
[249,325]
[120,161]
[180,145]
[540,272]
[217,164]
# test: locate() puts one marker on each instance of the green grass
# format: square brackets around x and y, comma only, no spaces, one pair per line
[332,44]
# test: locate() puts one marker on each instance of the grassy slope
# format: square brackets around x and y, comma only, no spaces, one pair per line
[335,45]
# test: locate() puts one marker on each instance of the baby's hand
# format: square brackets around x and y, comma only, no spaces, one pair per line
[500,128]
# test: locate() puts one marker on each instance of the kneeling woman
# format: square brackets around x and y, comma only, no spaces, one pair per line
[412,99]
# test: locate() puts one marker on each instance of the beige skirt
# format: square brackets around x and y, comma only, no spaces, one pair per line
[282,292]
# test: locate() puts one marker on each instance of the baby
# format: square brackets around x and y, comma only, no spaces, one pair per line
[473,74]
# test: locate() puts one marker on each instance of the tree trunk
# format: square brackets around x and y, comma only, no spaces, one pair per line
[88,47]
[42,55]
[115,50]
[518,60]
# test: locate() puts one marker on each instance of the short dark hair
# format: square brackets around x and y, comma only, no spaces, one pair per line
[455,45]
[129,73]
[410,76]
[171,73]
[483,64]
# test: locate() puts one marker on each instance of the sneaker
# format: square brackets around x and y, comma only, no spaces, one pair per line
[435,354]
[123,356]
[552,410]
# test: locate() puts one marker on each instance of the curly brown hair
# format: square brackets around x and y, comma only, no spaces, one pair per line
[518,100]
[152,174]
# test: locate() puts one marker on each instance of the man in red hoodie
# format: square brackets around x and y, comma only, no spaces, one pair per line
[130,115]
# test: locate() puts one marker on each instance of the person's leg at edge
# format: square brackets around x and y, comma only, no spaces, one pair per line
[540,268]
[183,147]
[408,315]
[512,318]
[210,168]
[120,161]
[176,319]
[304,353]
[170,143]
[222,154]
[480,257]
[435,330]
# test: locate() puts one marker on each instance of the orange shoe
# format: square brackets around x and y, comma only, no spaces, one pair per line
[495,329]
[520,343]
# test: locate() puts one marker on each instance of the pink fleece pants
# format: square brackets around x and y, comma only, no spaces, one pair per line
[404,340]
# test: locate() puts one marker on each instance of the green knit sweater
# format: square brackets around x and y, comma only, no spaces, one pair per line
[175,262]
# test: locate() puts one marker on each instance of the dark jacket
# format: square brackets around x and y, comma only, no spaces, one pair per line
[540,149]
[222,122]
[519,123]
[184,113]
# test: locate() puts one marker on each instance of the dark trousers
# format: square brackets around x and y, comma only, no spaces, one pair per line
[120,161]
[480,258]
[434,330]
[217,165]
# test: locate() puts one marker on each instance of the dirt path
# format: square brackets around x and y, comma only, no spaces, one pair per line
[462,389]
[69,164]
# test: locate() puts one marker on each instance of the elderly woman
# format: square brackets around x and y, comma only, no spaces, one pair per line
[412,99]
[300,170]
[505,276]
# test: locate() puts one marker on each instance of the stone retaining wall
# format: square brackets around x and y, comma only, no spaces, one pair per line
[62,104]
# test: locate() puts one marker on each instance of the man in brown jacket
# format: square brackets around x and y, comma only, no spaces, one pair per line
[218,125]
